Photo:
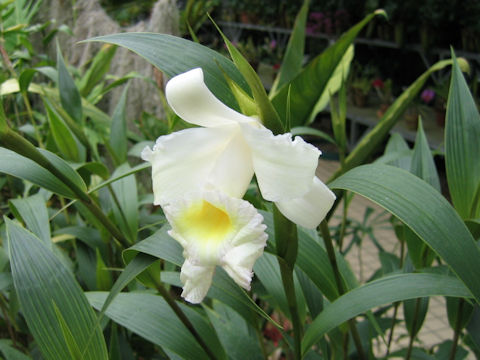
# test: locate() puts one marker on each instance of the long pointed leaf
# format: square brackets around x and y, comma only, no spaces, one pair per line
[69,94]
[422,160]
[307,87]
[33,212]
[150,317]
[118,132]
[379,292]
[160,49]
[462,146]
[40,280]
[376,136]
[293,58]
[424,210]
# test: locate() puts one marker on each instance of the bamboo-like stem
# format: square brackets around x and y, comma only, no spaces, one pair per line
[336,271]
[287,246]
[11,331]
[11,140]
[458,329]
[414,325]
[397,304]
[184,319]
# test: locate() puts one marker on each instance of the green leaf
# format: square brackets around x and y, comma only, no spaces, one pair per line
[236,335]
[305,130]
[160,49]
[118,132]
[104,278]
[25,79]
[266,112]
[65,168]
[397,145]
[69,95]
[72,345]
[33,212]
[334,84]
[41,280]
[313,260]
[293,58]
[126,210]
[160,244]
[377,135]
[422,209]
[415,311]
[16,165]
[9,352]
[97,69]
[386,290]
[134,268]
[462,148]
[150,317]
[267,270]
[62,135]
[422,159]
[307,86]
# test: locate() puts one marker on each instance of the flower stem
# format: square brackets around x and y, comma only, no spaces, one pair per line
[184,319]
[458,328]
[287,246]
[336,271]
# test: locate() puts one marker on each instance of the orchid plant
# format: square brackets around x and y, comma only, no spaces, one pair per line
[233,253]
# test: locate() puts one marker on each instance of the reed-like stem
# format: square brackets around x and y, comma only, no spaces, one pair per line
[184,319]
[287,246]
[458,329]
[338,280]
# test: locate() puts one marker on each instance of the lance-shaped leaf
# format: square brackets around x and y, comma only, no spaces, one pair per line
[267,113]
[150,317]
[422,159]
[16,165]
[43,282]
[424,210]
[379,292]
[307,86]
[126,209]
[69,94]
[62,135]
[160,49]
[293,58]
[376,136]
[462,146]
[33,212]
[118,132]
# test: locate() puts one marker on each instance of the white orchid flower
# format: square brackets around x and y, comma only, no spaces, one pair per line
[215,229]
[225,152]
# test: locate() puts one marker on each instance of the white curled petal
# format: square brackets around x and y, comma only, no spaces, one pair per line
[196,280]
[233,169]
[191,159]
[191,99]
[284,167]
[215,229]
[310,209]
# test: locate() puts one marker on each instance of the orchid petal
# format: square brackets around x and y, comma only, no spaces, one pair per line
[195,159]
[215,229]
[191,99]
[196,280]
[284,167]
[310,209]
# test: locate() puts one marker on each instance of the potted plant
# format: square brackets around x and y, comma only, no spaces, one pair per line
[384,93]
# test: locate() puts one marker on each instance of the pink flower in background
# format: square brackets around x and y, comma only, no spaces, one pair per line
[427,95]
[378,83]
